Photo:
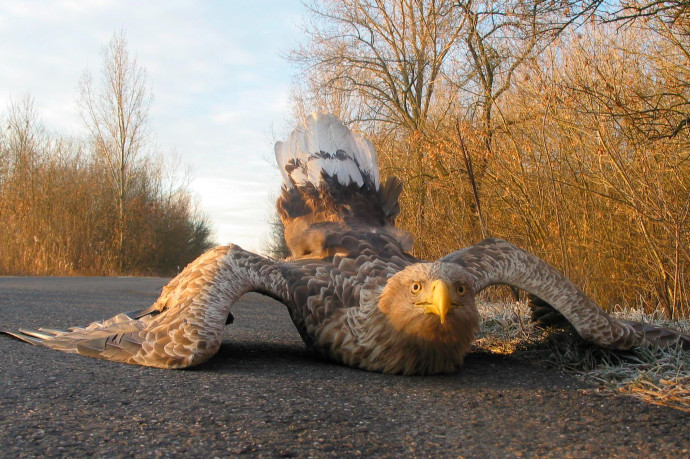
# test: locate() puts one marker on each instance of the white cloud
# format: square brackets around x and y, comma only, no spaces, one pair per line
[218,80]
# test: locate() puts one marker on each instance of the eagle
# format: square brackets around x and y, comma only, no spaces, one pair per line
[352,288]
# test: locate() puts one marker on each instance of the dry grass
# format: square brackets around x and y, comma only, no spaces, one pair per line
[660,376]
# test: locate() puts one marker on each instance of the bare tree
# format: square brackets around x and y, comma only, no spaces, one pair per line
[403,68]
[383,62]
[116,111]
[673,12]
[275,244]
[388,55]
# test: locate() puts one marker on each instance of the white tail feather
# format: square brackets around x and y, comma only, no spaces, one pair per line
[367,157]
[325,145]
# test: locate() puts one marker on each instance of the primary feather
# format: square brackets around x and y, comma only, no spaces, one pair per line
[353,291]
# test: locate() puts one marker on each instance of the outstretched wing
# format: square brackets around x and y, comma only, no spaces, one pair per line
[494,261]
[184,327]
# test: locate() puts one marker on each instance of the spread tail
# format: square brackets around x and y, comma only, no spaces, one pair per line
[331,185]
[322,150]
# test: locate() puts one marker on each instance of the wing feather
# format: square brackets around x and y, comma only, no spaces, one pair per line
[494,261]
[184,327]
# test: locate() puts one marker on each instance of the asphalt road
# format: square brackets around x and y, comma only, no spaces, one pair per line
[264,394]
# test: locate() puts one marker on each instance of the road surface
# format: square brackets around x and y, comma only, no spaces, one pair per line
[264,394]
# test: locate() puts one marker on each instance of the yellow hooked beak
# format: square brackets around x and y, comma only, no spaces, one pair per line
[440,300]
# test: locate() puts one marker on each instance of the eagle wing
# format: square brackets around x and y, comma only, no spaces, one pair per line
[184,327]
[495,261]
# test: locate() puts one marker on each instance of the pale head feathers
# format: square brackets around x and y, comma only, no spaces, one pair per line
[405,296]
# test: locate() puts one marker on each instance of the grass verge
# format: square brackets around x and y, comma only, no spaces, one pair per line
[656,375]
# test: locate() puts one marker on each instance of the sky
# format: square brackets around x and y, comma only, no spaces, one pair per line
[220,86]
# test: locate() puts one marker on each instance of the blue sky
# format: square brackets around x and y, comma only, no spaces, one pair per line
[219,83]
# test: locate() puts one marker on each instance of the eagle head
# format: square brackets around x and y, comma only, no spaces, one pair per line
[430,308]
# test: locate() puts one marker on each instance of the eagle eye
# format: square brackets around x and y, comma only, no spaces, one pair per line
[416,288]
[460,289]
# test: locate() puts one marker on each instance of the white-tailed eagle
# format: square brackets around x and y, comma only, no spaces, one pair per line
[353,291]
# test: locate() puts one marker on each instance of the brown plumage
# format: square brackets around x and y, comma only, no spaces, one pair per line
[353,291]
